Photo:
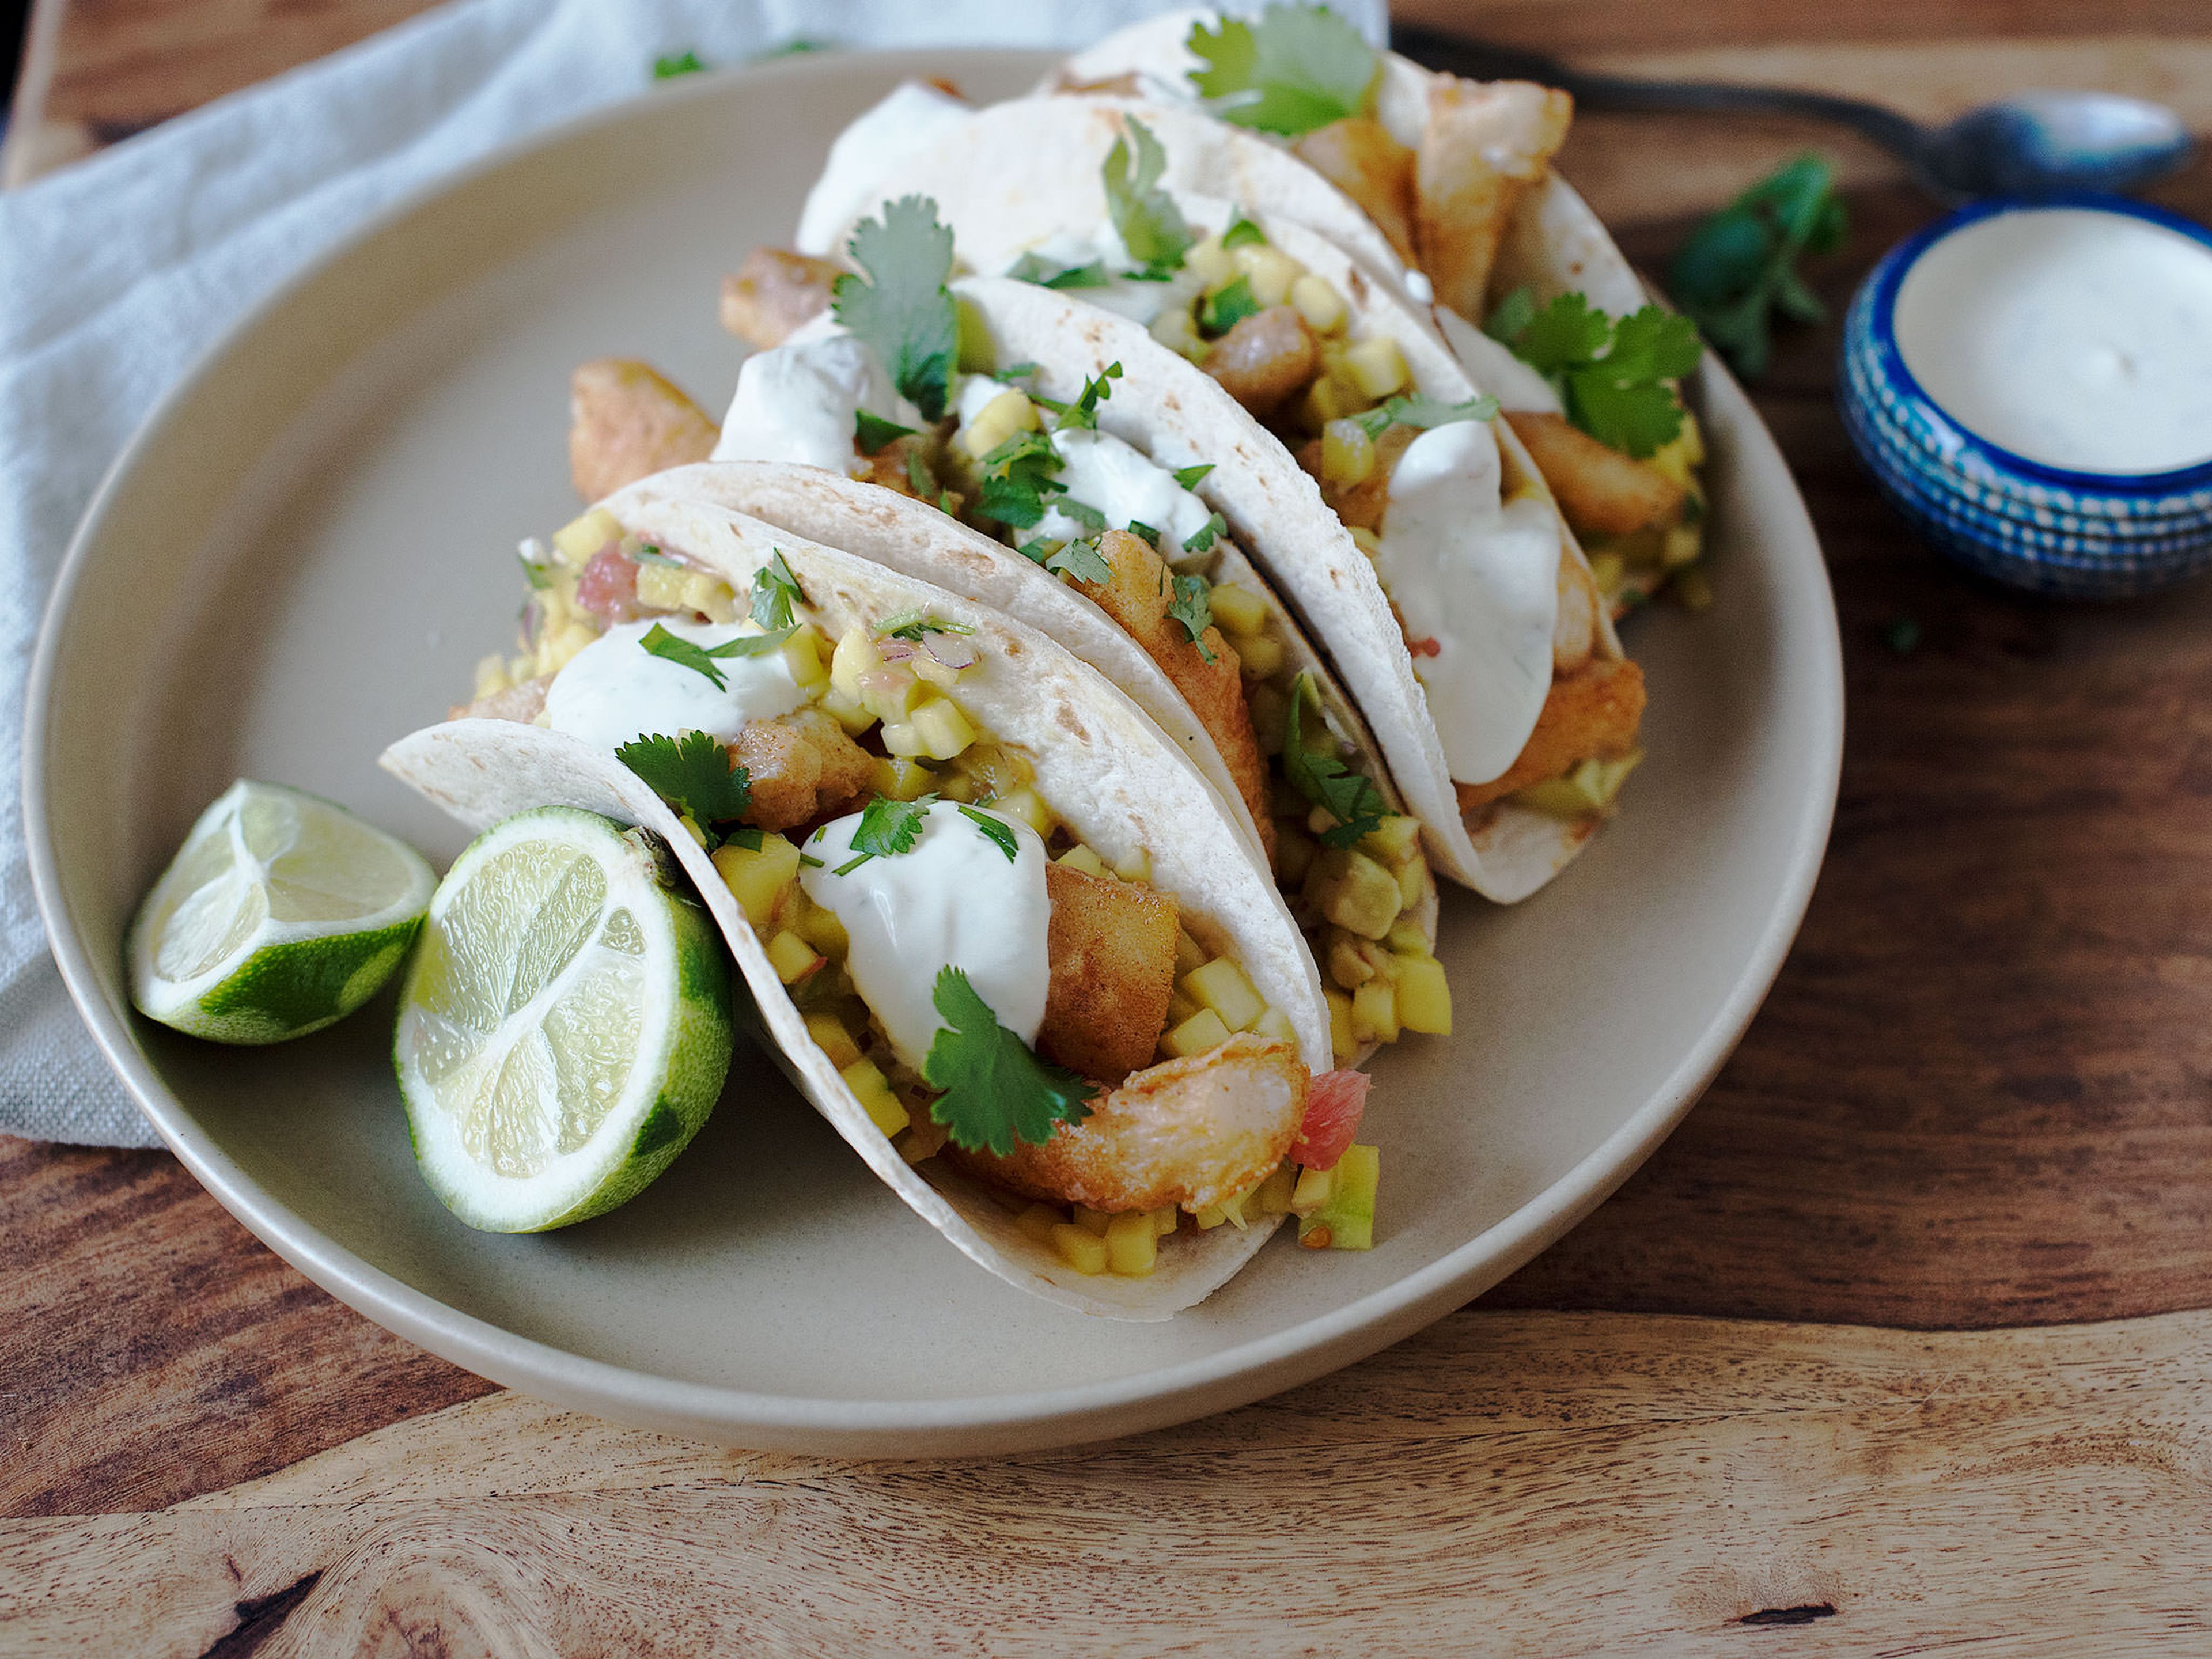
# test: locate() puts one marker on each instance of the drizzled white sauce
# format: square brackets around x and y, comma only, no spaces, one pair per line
[1098,469]
[904,123]
[2075,337]
[613,690]
[1139,299]
[1493,367]
[797,403]
[1479,582]
[953,901]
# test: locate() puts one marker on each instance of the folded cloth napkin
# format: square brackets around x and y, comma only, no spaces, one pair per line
[115,272]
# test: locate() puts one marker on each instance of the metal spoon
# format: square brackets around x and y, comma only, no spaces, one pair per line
[2034,144]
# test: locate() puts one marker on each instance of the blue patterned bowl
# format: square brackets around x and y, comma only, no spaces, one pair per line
[2094,535]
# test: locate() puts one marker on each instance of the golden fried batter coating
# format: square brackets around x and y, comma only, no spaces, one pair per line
[1136,597]
[1594,714]
[626,422]
[1486,142]
[1265,359]
[1601,491]
[1574,631]
[774,293]
[1112,946]
[1361,505]
[523,703]
[1188,1132]
[1359,156]
[803,767]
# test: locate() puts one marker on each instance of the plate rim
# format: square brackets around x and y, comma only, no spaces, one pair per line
[948,1425]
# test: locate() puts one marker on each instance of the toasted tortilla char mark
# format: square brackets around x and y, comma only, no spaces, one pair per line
[1136,597]
[1359,156]
[1485,142]
[1189,1132]
[1111,945]
[1590,714]
[626,421]
[802,766]
[774,293]
[1601,491]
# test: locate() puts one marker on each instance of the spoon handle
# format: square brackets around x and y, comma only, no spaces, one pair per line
[1441,49]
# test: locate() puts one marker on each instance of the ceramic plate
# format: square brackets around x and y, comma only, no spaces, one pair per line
[303,553]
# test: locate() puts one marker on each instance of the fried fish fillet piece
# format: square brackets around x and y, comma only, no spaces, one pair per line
[775,294]
[626,421]
[1484,144]
[1593,714]
[1112,946]
[1359,156]
[802,766]
[1601,491]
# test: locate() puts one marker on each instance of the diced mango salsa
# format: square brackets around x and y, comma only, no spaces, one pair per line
[866,1080]
[1223,986]
[1424,996]
[759,880]
[831,1036]
[1132,1244]
[1203,1032]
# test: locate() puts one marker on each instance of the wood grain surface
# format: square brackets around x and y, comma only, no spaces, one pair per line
[1980,1095]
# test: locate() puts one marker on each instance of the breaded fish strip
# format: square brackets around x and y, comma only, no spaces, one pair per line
[802,766]
[1112,948]
[1136,597]
[1189,1132]
[774,293]
[626,422]
[1601,491]
[523,703]
[1486,142]
[1591,715]
[1359,156]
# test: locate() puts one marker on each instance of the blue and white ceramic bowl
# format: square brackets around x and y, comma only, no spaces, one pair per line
[2032,525]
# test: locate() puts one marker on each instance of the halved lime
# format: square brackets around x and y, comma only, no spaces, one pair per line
[565,1027]
[281,913]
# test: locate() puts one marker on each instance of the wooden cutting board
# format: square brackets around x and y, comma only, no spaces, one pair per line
[1827,1362]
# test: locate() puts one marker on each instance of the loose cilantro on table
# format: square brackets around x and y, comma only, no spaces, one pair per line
[1151,226]
[1741,264]
[1612,376]
[1290,71]
[1321,776]
[1423,413]
[1192,604]
[667,69]
[1243,233]
[1188,476]
[997,831]
[874,434]
[694,776]
[1082,560]
[776,590]
[1222,311]
[887,829]
[899,305]
[703,658]
[996,1092]
[1032,268]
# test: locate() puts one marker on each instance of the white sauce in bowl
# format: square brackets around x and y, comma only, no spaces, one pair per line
[2071,337]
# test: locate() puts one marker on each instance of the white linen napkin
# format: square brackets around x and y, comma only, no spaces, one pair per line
[115,272]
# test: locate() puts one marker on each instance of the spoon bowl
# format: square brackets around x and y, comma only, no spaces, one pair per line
[2052,143]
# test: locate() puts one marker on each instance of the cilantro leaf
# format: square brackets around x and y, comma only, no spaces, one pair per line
[1741,262]
[996,1092]
[1082,414]
[1192,606]
[1423,413]
[1017,476]
[913,624]
[887,828]
[874,434]
[1568,333]
[1290,71]
[1083,512]
[1151,227]
[693,775]
[1509,318]
[1243,233]
[1222,311]
[701,659]
[899,305]
[1032,268]
[1081,560]
[1321,775]
[776,590]
[1202,537]
[1612,377]
[918,477]
[1188,476]
[667,69]
[997,831]
[648,553]
[1144,533]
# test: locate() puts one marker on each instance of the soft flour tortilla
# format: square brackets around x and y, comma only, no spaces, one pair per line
[1107,770]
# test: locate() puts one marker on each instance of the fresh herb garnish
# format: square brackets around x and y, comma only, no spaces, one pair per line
[1741,262]
[537,564]
[1017,476]
[649,554]
[1188,476]
[776,590]
[1018,371]
[1222,311]
[1082,560]
[694,777]
[1151,226]
[702,659]
[1144,533]
[887,828]
[1082,512]
[1243,233]
[997,831]
[873,434]
[1192,606]
[1082,414]
[667,69]
[1424,413]
[1321,776]
[918,477]
[1290,70]
[996,1092]
[901,306]
[1202,537]
[1612,377]
[1033,268]
[913,624]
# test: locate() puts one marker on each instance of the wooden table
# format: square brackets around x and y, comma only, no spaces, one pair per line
[1901,1339]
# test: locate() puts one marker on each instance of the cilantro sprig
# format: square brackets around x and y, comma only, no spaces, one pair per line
[1034,268]
[1188,476]
[776,590]
[1017,477]
[874,434]
[707,658]
[1081,559]
[1612,376]
[1191,604]
[899,304]
[1222,311]
[913,624]
[1321,775]
[1741,264]
[1423,412]
[997,831]
[887,828]
[1290,70]
[694,776]
[1203,537]
[1082,414]
[997,1094]
[1151,227]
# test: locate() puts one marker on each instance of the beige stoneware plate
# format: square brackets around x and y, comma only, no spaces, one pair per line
[304,551]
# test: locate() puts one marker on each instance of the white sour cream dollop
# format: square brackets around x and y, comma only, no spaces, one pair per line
[953,901]
[615,690]
[799,403]
[1477,583]
[904,123]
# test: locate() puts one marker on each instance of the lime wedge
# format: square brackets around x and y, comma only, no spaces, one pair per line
[281,913]
[565,1027]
